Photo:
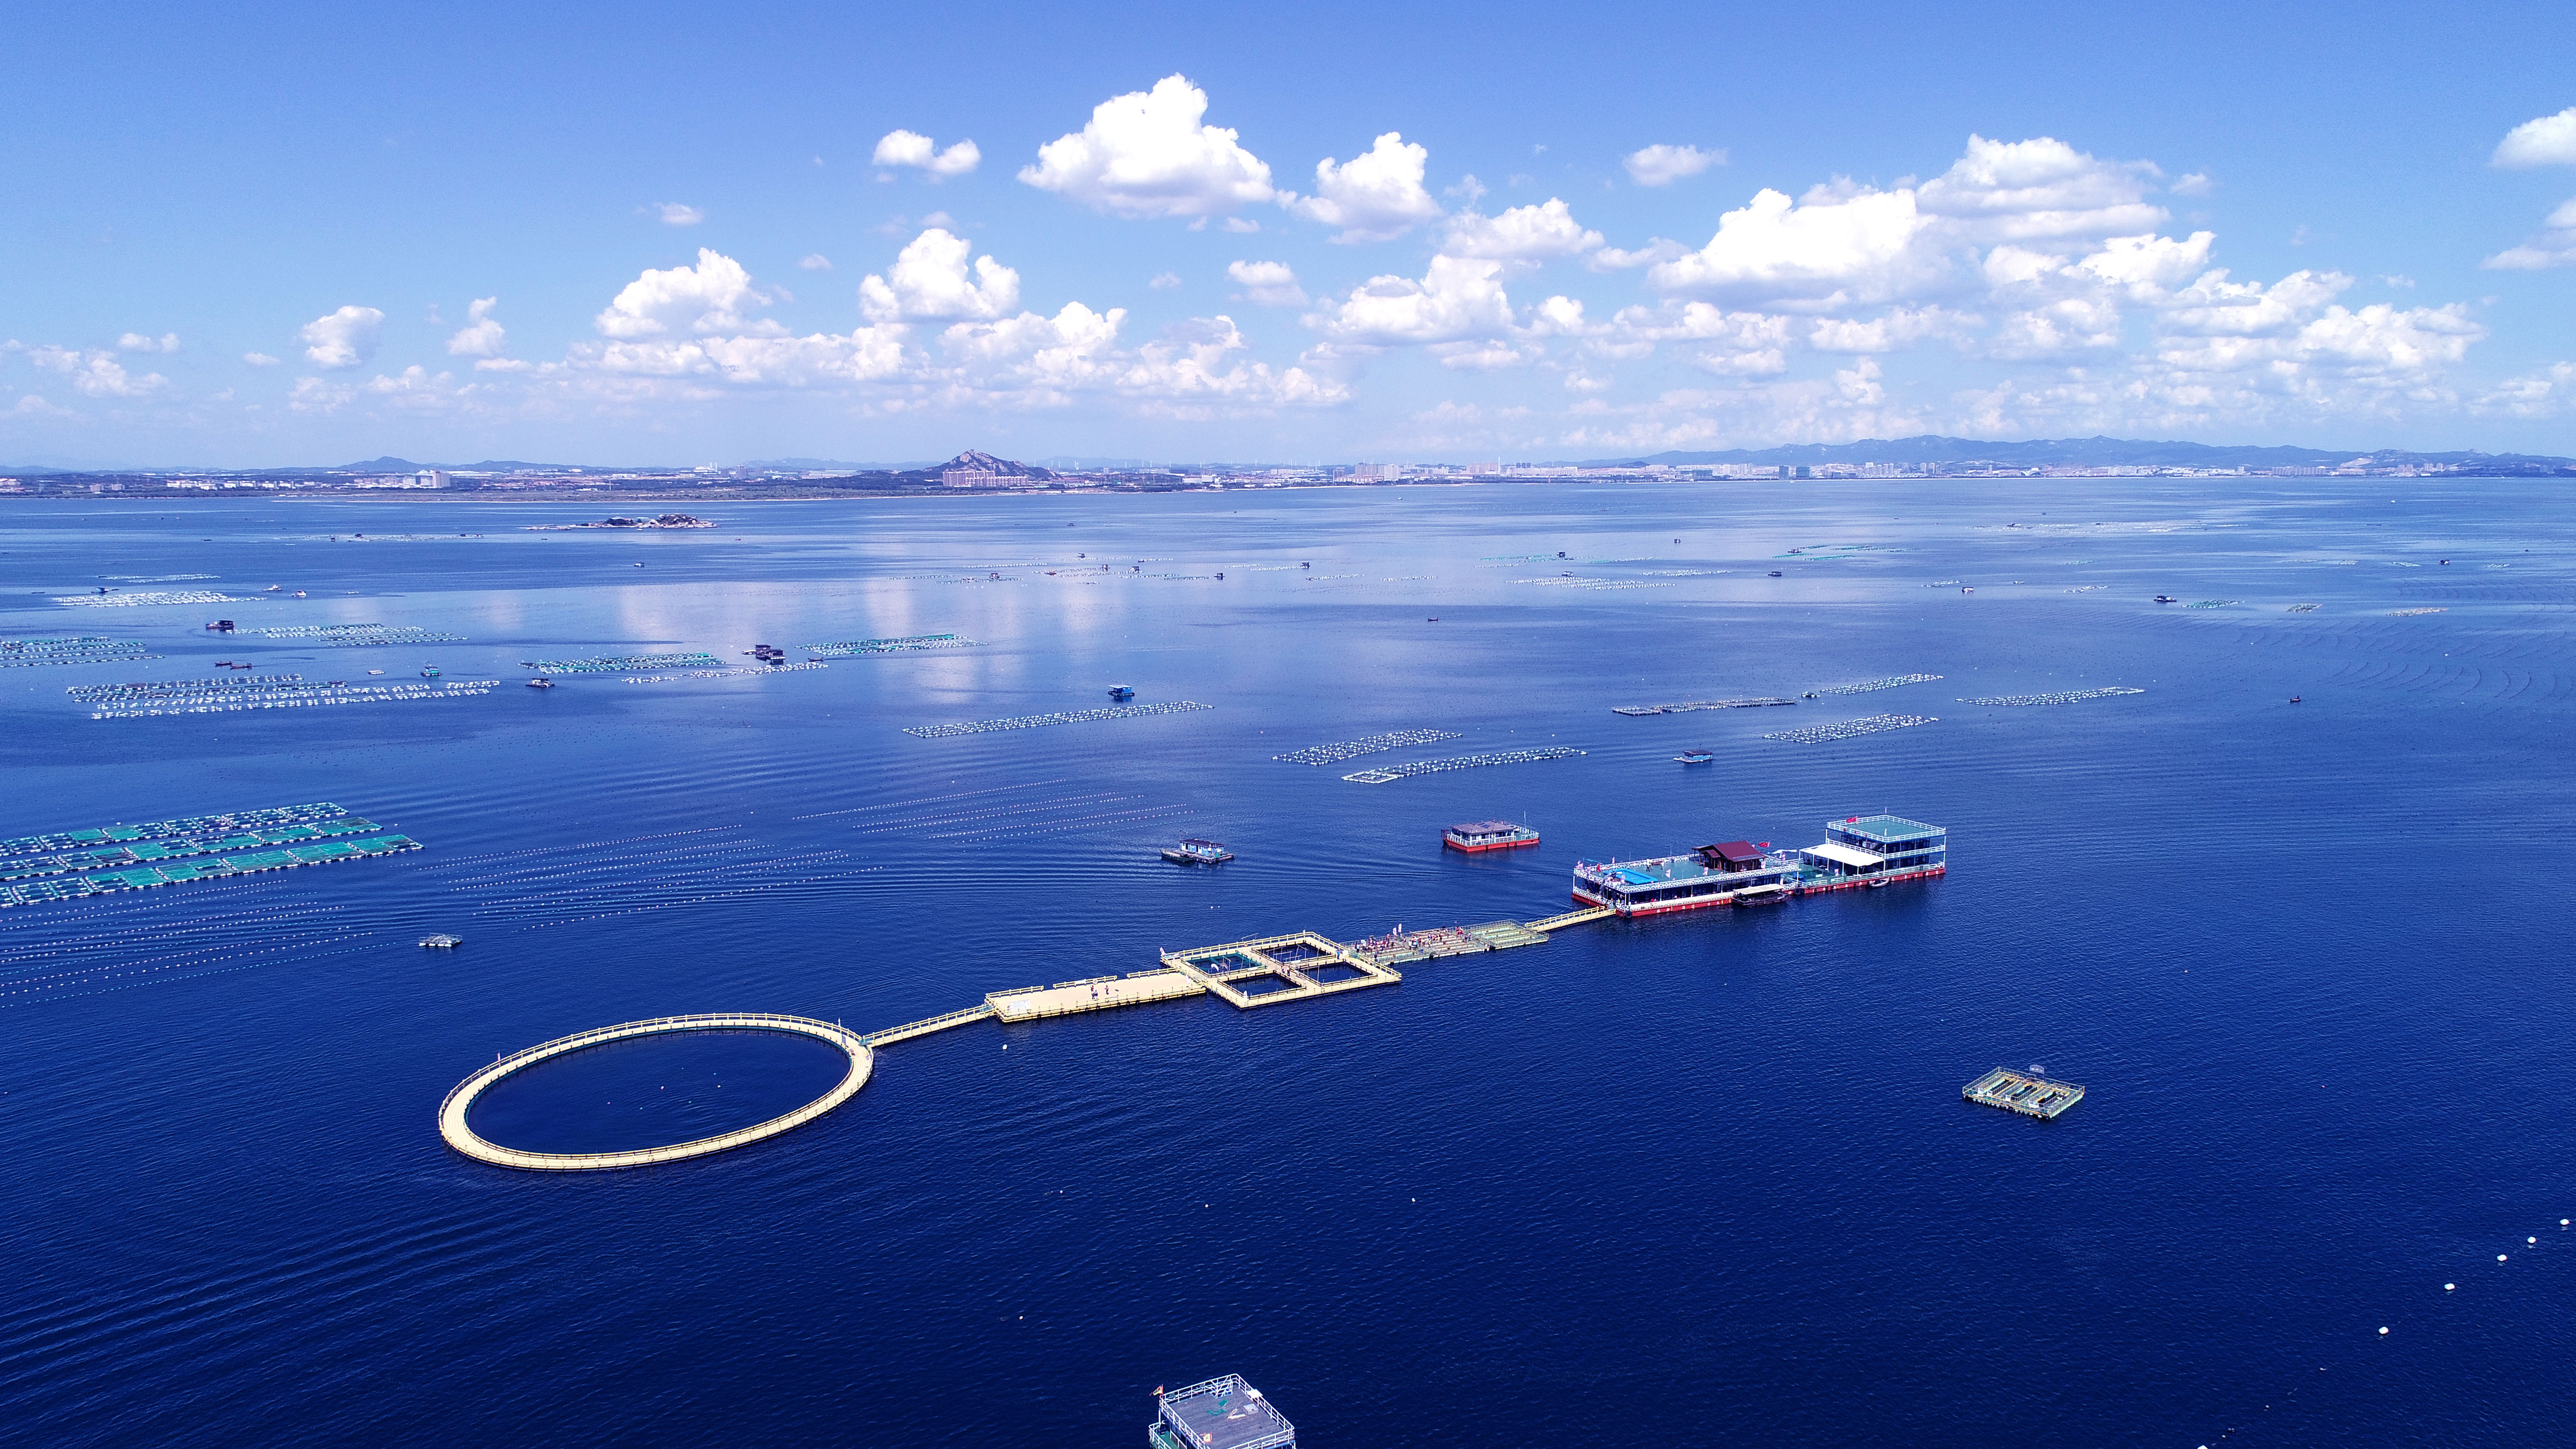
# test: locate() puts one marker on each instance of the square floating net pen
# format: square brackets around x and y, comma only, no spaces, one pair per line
[1222,1413]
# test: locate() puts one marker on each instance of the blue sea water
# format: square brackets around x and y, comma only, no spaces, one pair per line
[1699,1180]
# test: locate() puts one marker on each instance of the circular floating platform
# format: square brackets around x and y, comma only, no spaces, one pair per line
[451,1113]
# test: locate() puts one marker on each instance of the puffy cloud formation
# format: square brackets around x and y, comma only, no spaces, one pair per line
[1661,165]
[2018,190]
[1377,196]
[346,338]
[259,359]
[2554,247]
[1835,249]
[1266,284]
[1148,154]
[814,262]
[906,148]
[707,298]
[1458,298]
[2548,141]
[138,342]
[96,374]
[480,336]
[1522,234]
[929,283]
[2548,392]
[679,213]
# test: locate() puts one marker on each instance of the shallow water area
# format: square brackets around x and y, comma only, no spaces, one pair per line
[655,1091]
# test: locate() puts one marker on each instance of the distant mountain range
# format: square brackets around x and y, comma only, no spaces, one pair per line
[2069,452]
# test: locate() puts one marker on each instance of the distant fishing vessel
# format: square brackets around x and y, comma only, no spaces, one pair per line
[1697,757]
[429,671]
[1479,835]
[1857,852]
[442,942]
[1120,691]
[541,683]
[1195,851]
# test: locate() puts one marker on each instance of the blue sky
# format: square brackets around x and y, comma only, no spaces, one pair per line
[266,235]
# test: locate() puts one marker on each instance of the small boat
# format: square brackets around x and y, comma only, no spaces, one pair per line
[429,672]
[541,683]
[1478,835]
[2167,599]
[2294,699]
[1970,589]
[1775,573]
[1763,895]
[1697,757]
[1120,691]
[1195,851]
[442,942]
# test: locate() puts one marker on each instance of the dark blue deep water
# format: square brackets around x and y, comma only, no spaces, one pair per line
[1704,1180]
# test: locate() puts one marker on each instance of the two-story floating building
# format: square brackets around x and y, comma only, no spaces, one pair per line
[1857,851]
[1478,835]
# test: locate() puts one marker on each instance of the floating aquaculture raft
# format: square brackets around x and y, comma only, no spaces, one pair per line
[359,636]
[854,648]
[621,663]
[1034,721]
[80,649]
[1389,774]
[2071,696]
[224,696]
[115,858]
[1333,754]
[1866,685]
[1873,724]
[2025,1092]
[128,601]
[1688,705]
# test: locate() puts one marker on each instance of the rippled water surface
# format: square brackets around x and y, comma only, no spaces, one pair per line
[1696,1180]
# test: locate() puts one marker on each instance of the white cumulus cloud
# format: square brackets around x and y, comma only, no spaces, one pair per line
[677,213]
[1661,165]
[929,282]
[1458,298]
[345,338]
[97,373]
[1267,284]
[1522,234]
[814,262]
[907,148]
[2554,247]
[138,342]
[480,336]
[1148,154]
[2547,141]
[2017,190]
[259,359]
[1866,246]
[707,298]
[1377,196]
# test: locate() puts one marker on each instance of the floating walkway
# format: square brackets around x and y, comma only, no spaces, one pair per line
[452,1112]
[1334,754]
[1391,773]
[1296,967]
[1098,993]
[1036,721]
[2028,1093]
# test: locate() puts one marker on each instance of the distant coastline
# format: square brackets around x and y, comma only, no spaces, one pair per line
[1921,459]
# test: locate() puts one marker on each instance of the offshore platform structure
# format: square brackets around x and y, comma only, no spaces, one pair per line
[1222,1413]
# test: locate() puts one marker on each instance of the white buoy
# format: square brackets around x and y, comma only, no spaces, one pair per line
[2448,1287]
[2531,1240]
[2383,1333]
[2499,1257]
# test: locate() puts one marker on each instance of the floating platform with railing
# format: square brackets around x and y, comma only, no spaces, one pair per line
[1295,967]
[2028,1093]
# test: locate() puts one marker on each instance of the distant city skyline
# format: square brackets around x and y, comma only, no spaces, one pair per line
[1345,236]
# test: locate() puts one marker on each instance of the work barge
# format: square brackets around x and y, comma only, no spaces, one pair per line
[2028,1093]
[1303,965]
